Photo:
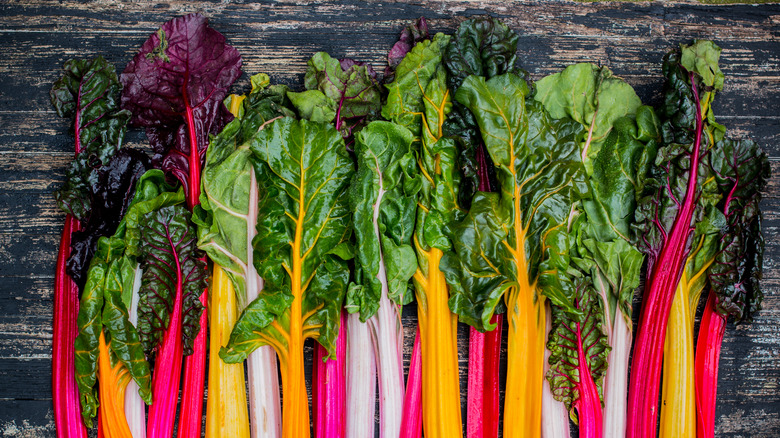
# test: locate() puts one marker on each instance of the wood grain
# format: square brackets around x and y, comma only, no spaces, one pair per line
[36,37]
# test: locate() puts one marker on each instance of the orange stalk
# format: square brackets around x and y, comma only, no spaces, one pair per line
[113,382]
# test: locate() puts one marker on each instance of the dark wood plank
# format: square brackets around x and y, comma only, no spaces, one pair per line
[36,37]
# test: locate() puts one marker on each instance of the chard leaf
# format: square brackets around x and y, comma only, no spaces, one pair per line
[741,170]
[421,66]
[482,46]
[106,298]
[383,196]
[88,95]
[516,241]
[303,226]
[110,197]
[590,95]
[171,266]
[344,92]
[175,86]
[410,36]
[578,353]
[227,214]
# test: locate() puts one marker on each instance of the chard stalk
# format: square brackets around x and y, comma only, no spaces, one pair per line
[555,417]
[113,383]
[65,394]
[411,423]
[361,379]
[711,330]
[657,301]
[329,387]
[135,409]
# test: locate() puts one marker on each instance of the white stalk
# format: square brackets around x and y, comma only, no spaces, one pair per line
[555,417]
[616,380]
[135,410]
[265,415]
[361,379]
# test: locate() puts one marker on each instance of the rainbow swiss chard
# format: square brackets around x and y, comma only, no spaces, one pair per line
[97,191]
[667,213]
[514,244]
[383,196]
[299,251]
[481,46]
[419,100]
[741,170]
[174,87]
[618,145]
[227,221]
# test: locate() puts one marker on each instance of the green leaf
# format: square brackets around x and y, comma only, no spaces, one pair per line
[88,95]
[345,90]
[383,196]
[303,222]
[590,95]
[538,166]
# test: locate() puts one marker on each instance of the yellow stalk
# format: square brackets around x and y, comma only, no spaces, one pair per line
[226,408]
[678,410]
[438,338]
[112,385]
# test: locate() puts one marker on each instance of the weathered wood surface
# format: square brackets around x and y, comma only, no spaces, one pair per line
[36,37]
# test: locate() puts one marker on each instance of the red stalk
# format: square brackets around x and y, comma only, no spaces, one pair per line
[482,417]
[65,394]
[588,405]
[657,302]
[411,425]
[329,389]
[167,369]
[711,330]
[191,417]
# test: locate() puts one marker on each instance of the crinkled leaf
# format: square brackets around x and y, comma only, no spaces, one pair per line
[482,46]
[741,170]
[574,340]
[541,175]
[303,223]
[110,197]
[387,175]
[88,95]
[344,92]
[171,265]
[175,86]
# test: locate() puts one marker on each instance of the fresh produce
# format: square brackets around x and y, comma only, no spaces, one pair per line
[619,143]
[514,244]
[227,221]
[174,88]
[674,202]
[419,100]
[383,196]
[481,46]
[300,251]
[317,207]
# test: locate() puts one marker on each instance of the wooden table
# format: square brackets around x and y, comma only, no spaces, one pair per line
[36,37]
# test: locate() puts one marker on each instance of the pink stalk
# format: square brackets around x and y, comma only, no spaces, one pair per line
[361,379]
[65,394]
[191,417]
[589,404]
[329,387]
[711,330]
[482,416]
[167,372]
[411,424]
[657,302]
